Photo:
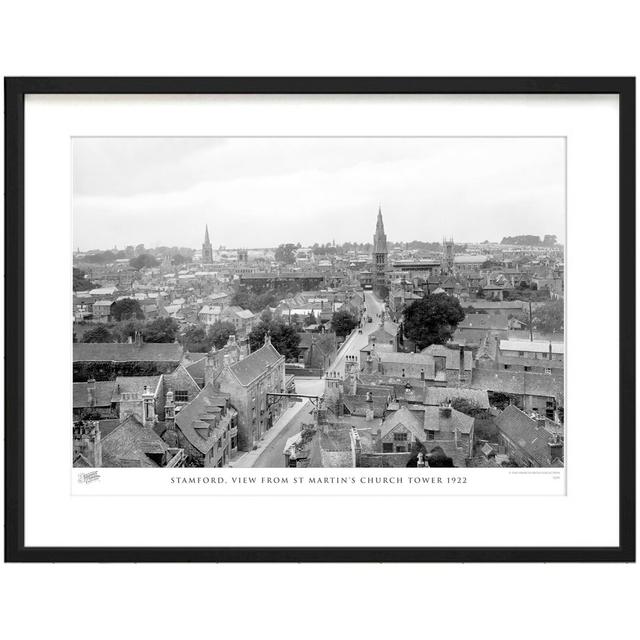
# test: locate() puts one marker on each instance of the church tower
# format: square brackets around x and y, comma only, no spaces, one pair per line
[207,250]
[447,255]
[380,258]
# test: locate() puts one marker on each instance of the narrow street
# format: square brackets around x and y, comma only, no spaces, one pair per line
[352,347]
[270,450]
[269,453]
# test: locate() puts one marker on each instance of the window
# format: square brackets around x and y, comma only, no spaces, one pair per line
[526,368]
[400,437]
[521,353]
[181,396]
[431,435]
[507,366]
[548,371]
[387,447]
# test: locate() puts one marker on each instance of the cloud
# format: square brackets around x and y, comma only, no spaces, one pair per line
[263,191]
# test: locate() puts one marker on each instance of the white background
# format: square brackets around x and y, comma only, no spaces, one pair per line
[332,38]
[586,516]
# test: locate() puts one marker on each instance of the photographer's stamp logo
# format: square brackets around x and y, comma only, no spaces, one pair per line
[87,478]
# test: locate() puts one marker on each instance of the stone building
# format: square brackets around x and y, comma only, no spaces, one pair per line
[248,381]
[206,428]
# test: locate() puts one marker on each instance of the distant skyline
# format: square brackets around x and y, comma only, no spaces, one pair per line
[262,192]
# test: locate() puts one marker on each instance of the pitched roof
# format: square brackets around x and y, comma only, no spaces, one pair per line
[192,418]
[537,346]
[403,417]
[446,419]
[436,396]
[117,352]
[452,356]
[134,384]
[130,444]
[518,382]
[525,432]
[251,367]
[103,393]
[495,321]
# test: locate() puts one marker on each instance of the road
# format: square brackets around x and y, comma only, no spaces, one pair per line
[358,341]
[272,454]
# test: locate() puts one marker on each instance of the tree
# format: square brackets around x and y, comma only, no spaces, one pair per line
[549,317]
[179,259]
[80,282]
[143,261]
[127,329]
[285,253]
[195,339]
[219,333]
[126,309]
[550,240]
[283,337]
[161,330]
[98,334]
[343,322]
[432,319]
[310,319]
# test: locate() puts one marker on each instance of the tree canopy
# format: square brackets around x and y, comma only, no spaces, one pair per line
[285,253]
[195,339]
[126,309]
[219,333]
[549,317]
[343,322]
[161,330]
[432,319]
[80,281]
[283,337]
[143,261]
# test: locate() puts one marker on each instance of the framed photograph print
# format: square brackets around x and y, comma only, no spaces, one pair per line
[320,319]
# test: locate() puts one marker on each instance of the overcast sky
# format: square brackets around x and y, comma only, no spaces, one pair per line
[261,192]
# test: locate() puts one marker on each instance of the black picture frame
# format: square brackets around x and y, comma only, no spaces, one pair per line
[15,91]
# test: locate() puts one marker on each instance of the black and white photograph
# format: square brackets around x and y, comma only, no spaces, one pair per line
[319,302]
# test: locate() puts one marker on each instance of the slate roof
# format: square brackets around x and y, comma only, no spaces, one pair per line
[103,393]
[518,382]
[436,420]
[254,365]
[524,432]
[497,322]
[134,384]
[129,444]
[452,356]
[192,418]
[407,358]
[117,352]
[411,420]
[196,370]
[537,346]
[435,396]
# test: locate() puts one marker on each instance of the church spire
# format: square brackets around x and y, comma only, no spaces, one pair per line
[207,249]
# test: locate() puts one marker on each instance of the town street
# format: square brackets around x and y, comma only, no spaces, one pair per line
[270,450]
[357,341]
